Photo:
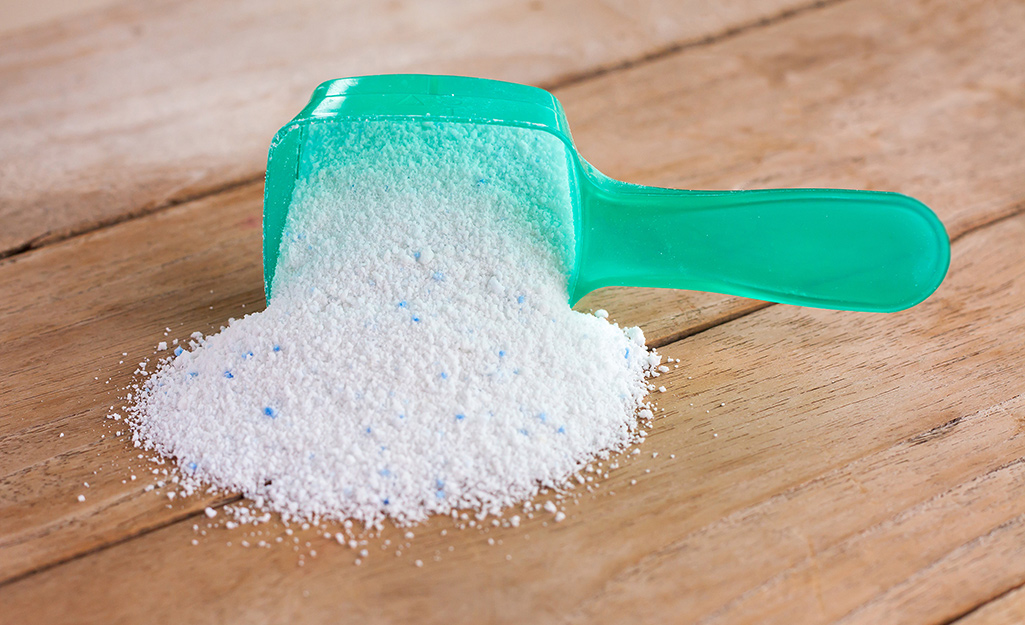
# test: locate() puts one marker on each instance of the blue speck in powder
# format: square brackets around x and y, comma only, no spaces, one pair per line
[416,319]
[501,353]
[193,374]
[270,412]
[438,276]
[562,429]
[386,502]
[228,375]
[247,355]
[368,429]
[416,255]
[627,354]
[443,375]
[193,466]
[403,304]
[521,298]
[460,417]
[402,416]
[440,494]
[384,473]
[543,417]
[178,351]
[482,181]
[277,348]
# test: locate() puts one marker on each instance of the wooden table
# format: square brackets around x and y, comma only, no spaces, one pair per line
[813,466]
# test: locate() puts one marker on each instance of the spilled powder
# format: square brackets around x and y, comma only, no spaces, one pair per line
[418,355]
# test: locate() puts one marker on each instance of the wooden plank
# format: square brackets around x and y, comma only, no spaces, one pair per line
[1008,609]
[84,302]
[835,443]
[113,113]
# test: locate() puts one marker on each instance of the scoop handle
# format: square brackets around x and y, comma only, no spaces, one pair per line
[825,248]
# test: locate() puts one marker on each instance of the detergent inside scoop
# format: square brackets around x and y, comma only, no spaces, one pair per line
[405,187]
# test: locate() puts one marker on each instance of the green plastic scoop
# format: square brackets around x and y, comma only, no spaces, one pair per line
[827,248]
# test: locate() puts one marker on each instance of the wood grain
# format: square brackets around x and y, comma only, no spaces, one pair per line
[865,466]
[137,106]
[82,303]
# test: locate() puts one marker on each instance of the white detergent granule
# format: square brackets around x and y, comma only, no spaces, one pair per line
[418,355]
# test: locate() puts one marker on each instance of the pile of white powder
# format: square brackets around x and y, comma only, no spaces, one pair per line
[418,354]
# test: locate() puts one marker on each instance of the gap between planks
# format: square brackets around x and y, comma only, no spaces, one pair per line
[1005,608]
[675,48]
[44,239]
